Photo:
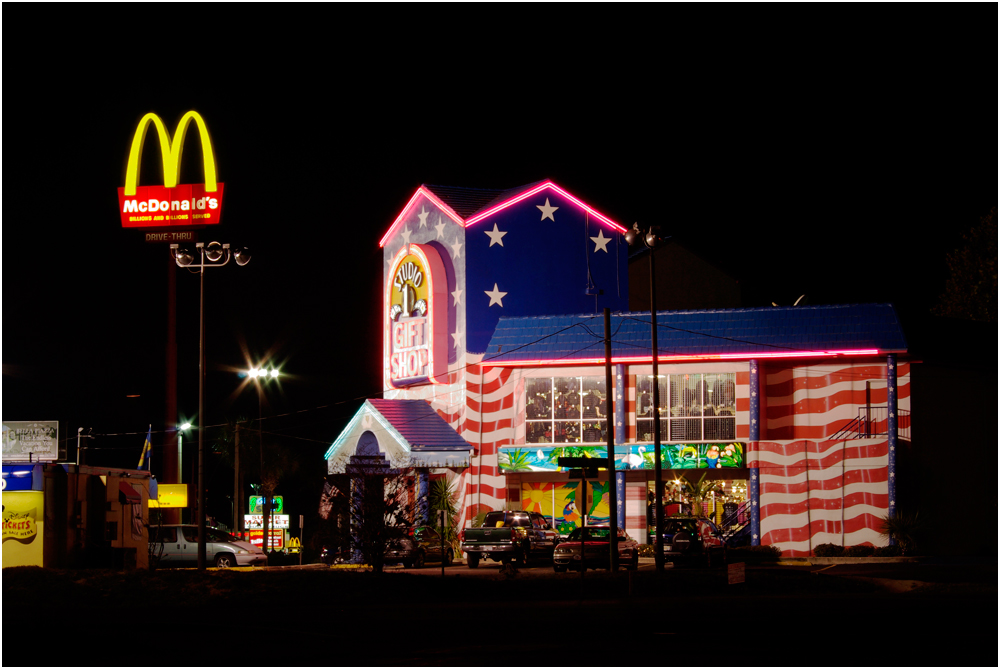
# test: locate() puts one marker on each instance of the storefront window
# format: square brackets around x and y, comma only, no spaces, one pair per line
[693,407]
[566,410]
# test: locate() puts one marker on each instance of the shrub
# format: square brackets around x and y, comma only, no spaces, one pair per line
[828,550]
[859,551]
[887,551]
[904,528]
[753,554]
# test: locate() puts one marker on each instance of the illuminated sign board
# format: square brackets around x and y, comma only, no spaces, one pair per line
[416,325]
[279,521]
[30,441]
[23,528]
[171,204]
[170,496]
[257,504]
[276,541]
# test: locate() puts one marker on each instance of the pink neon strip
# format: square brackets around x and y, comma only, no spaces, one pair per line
[430,196]
[548,185]
[680,358]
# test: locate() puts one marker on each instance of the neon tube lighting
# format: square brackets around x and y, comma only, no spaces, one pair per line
[430,196]
[548,185]
[678,358]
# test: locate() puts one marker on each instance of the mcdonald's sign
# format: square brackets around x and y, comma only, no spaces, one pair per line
[172,204]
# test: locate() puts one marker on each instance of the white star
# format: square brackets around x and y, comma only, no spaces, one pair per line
[547,210]
[455,248]
[457,336]
[496,237]
[440,228]
[406,235]
[457,294]
[600,242]
[423,217]
[496,296]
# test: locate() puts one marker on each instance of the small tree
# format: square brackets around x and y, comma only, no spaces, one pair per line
[380,509]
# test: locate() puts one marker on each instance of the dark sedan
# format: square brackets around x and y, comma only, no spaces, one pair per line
[590,545]
[420,545]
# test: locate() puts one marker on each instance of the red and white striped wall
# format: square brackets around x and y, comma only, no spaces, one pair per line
[815,490]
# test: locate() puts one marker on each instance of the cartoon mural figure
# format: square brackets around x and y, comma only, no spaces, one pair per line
[712,457]
[635,461]
[570,514]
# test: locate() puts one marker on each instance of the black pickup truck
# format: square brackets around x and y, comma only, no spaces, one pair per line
[509,535]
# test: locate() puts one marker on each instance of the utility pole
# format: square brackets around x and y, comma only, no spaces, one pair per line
[612,480]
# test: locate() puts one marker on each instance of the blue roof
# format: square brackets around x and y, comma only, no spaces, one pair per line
[420,425]
[735,332]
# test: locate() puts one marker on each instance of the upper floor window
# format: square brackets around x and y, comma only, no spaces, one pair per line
[693,407]
[566,410]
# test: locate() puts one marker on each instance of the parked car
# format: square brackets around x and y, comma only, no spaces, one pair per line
[690,539]
[591,545]
[420,545]
[509,535]
[177,546]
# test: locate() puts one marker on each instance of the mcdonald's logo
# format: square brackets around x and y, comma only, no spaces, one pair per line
[172,204]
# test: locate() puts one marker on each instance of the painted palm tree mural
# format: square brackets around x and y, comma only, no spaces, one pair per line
[566,501]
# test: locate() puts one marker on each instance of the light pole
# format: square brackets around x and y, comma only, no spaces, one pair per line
[259,374]
[649,240]
[212,255]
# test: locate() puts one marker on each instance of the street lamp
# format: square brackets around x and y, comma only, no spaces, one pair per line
[184,427]
[212,255]
[259,374]
[649,240]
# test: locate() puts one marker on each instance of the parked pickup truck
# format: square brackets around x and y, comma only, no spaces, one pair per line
[509,535]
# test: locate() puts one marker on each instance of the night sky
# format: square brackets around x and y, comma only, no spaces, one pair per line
[821,150]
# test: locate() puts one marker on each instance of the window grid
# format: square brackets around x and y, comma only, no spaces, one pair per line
[693,407]
[566,410]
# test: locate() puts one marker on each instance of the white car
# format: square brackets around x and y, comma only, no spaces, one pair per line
[177,546]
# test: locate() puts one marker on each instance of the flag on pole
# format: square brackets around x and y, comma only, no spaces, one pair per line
[147,451]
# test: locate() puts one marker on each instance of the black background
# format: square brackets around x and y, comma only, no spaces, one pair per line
[819,150]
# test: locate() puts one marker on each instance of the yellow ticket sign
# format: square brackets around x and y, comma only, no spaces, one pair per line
[170,496]
[23,528]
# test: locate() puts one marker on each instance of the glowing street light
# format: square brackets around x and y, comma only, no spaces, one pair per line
[259,375]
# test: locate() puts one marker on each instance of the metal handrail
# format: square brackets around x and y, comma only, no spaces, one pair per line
[874,422]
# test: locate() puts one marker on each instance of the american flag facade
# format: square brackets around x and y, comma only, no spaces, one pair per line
[814,489]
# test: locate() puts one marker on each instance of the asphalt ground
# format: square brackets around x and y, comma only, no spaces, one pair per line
[805,615]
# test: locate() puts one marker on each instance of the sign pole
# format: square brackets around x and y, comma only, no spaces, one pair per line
[612,483]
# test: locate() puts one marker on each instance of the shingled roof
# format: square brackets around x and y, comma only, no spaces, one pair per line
[420,425]
[739,333]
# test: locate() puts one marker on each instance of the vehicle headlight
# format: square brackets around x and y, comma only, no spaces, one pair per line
[242,552]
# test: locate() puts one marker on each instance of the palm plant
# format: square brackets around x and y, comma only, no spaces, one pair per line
[441,496]
[903,527]
[698,492]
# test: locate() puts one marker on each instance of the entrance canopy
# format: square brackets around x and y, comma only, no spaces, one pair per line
[408,432]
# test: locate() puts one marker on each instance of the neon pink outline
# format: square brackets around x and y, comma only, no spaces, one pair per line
[680,358]
[434,200]
[548,185]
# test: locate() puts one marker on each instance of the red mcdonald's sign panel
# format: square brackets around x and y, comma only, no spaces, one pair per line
[171,204]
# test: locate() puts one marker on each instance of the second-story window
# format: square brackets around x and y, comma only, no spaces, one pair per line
[693,407]
[566,410]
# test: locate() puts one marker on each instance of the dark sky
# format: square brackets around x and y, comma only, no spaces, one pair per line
[823,150]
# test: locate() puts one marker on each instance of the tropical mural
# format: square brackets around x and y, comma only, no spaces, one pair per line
[564,499]
[628,456]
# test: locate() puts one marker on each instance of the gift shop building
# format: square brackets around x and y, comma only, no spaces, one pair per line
[494,367]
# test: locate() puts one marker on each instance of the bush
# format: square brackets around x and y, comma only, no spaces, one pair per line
[887,551]
[859,551]
[828,550]
[753,554]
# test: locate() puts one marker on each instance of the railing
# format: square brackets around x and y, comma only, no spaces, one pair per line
[874,422]
[736,517]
